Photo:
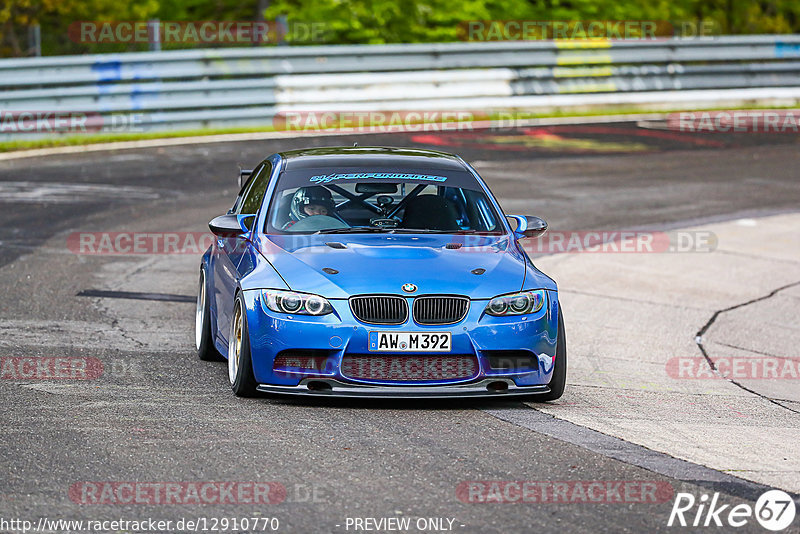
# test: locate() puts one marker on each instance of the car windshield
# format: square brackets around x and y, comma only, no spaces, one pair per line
[312,201]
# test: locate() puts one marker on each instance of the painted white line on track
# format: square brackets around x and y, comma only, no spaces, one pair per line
[627,452]
[65,192]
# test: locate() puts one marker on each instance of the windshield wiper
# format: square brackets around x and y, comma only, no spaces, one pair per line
[429,231]
[353,230]
[386,230]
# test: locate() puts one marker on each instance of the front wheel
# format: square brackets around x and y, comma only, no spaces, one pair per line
[240,364]
[559,379]
[202,324]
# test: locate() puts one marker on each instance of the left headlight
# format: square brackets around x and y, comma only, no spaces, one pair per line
[516,304]
[292,302]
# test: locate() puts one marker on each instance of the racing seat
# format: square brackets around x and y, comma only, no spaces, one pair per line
[430,212]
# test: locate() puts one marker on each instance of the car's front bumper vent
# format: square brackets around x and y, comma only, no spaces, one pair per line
[409,367]
[298,360]
[442,309]
[512,360]
[379,309]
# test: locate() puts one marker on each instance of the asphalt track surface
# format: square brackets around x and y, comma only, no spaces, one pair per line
[160,415]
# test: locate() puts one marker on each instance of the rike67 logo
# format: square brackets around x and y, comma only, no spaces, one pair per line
[774,510]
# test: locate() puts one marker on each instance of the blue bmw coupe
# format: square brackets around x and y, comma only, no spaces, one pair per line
[377,272]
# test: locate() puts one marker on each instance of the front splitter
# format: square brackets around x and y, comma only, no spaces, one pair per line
[325,387]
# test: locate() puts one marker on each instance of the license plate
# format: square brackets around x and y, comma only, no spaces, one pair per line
[409,341]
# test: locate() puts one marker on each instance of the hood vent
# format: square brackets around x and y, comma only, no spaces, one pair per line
[453,246]
[336,245]
[478,271]
[330,270]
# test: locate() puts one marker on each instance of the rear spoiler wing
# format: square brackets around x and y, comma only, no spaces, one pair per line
[244,175]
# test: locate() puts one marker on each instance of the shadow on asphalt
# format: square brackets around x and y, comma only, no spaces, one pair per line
[396,404]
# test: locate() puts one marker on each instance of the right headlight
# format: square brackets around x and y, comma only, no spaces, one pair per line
[293,302]
[516,304]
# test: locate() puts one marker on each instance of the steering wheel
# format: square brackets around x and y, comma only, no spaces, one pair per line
[313,223]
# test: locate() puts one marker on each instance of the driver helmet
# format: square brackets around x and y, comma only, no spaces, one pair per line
[312,195]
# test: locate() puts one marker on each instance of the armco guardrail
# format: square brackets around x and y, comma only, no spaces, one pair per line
[248,86]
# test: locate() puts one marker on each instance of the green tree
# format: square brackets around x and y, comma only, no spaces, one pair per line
[394,21]
[375,21]
[55,17]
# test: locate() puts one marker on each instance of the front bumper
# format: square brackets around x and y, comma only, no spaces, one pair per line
[339,334]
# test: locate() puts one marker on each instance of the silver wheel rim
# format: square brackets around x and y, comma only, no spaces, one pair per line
[235,344]
[199,315]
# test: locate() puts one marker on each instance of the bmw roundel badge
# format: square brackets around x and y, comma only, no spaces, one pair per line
[409,288]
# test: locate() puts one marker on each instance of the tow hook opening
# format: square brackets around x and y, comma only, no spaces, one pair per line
[318,385]
[497,386]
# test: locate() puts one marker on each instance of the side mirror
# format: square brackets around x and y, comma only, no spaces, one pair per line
[231,225]
[529,226]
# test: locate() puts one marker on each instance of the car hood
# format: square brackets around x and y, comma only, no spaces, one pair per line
[339,266]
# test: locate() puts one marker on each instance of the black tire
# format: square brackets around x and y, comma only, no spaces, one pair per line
[559,379]
[204,343]
[243,382]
